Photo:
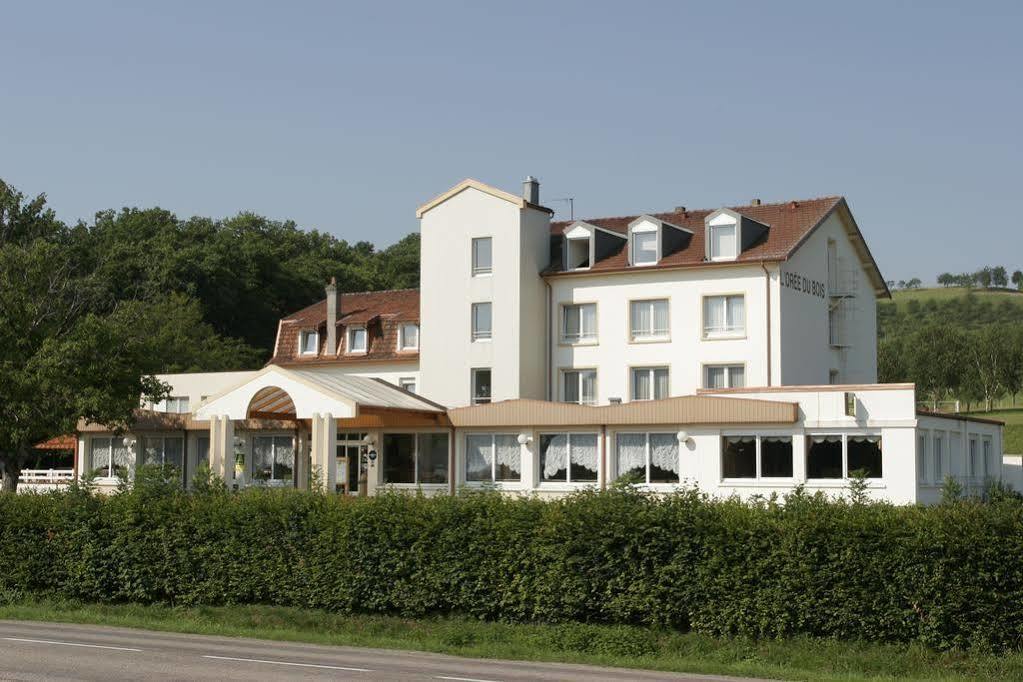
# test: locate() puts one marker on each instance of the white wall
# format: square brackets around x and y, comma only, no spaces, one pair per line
[198,385]
[956,435]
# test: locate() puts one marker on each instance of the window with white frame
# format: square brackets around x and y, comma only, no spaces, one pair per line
[579,386]
[358,339]
[991,466]
[724,376]
[481,386]
[568,458]
[756,457]
[938,459]
[650,458]
[831,456]
[415,458]
[349,460]
[482,321]
[973,465]
[649,383]
[493,458]
[723,242]
[644,247]
[577,253]
[724,316]
[648,320]
[309,343]
[110,458]
[273,460]
[176,404]
[164,451]
[408,336]
[921,457]
[408,383]
[579,322]
[482,256]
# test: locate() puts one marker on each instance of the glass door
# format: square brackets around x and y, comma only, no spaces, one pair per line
[349,461]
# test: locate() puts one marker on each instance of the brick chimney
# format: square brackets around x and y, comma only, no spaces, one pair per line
[333,313]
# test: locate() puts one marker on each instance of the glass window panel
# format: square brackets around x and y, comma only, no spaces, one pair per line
[409,336]
[399,458]
[660,383]
[824,457]
[482,255]
[735,319]
[715,376]
[921,457]
[433,458]
[660,309]
[152,451]
[262,458]
[481,386]
[641,384]
[938,468]
[202,451]
[482,320]
[864,454]
[583,451]
[739,457]
[478,457]
[310,342]
[123,458]
[357,339]
[284,458]
[991,467]
[100,456]
[664,458]
[722,241]
[173,453]
[588,380]
[589,321]
[509,457]
[644,247]
[572,326]
[554,457]
[776,457]
[642,321]
[631,456]
[571,380]
[736,376]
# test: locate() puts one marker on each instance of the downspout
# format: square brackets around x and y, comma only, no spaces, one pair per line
[767,292]
[451,462]
[548,341]
[603,456]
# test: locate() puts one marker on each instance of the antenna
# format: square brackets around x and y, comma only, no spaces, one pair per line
[571,205]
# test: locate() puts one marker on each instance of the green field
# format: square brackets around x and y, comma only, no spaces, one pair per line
[942,294]
[1013,428]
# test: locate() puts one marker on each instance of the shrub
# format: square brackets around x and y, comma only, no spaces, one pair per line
[949,576]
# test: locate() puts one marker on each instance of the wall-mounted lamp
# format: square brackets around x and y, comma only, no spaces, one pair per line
[682,437]
[369,439]
[525,438]
[129,442]
[372,455]
[239,442]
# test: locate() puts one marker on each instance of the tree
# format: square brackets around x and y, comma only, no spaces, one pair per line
[1010,370]
[999,277]
[914,283]
[946,279]
[1017,279]
[986,359]
[902,284]
[983,277]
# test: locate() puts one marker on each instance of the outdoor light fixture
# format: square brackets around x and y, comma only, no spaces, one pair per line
[525,438]
[370,439]
[683,437]
[372,455]
[129,442]
[239,442]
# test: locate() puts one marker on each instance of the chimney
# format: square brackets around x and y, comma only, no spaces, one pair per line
[531,190]
[680,209]
[755,202]
[333,303]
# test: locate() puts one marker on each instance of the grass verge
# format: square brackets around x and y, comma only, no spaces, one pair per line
[624,646]
[1013,419]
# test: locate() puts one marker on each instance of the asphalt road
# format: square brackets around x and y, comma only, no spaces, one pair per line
[55,651]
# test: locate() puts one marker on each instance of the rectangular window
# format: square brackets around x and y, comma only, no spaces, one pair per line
[111,458]
[415,459]
[991,466]
[644,248]
[176,405]
[482,321]
[921,457]
[937,457]
[309,343]
[568,458]
[577,254]
[649,383]
[724,316]
[864,455]
[408,383]
[408,336]
[273,460]
[648,457]
[824,457]
[482,256]
[829,457]
[739,457]
[481,388]
[349,459]
[202,451]
[579,322]
[722,242]
[648,320]
[493,458]
[724,376]
[358,340]
[579,386]
[972,464]
[756,457]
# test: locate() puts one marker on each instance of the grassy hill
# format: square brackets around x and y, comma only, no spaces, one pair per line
[901,298]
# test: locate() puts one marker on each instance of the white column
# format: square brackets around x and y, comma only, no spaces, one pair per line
[329,452]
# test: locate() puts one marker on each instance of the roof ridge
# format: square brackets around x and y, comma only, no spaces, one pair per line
[701,210]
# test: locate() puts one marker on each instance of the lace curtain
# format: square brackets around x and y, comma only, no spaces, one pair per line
[825,439]
[555,455]
[509,452]
[864,439]
[584,451]
[631,452]
[664,451]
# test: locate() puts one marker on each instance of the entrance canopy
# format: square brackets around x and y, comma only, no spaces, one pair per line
[298,394]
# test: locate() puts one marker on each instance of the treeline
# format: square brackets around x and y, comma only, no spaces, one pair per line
[968,348]
[984,278]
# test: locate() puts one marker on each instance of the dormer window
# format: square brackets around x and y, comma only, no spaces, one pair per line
[722,242]
[358,339]
[651,239]
[730,234]
[309,343]
[644,247]
[578,253]
[408,336]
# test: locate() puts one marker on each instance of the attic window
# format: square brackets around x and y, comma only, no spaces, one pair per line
[309,343]
[408,336]
[644,246]
[722,242]
[357,339]
[578,254]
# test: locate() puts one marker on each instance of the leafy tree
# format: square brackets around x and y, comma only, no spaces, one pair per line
[999,277]
[1017,279]
[983,277]
[914,283]
[902,284]
[946,279]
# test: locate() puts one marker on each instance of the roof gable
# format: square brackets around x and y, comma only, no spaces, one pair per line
[470,183]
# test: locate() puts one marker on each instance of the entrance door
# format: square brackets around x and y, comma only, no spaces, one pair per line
[349,456]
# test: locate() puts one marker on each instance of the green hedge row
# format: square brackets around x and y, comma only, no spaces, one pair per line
[949,576]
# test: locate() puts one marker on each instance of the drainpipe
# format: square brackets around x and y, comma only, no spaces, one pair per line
[603,456]
[451,462]
[767,292]
[549,341]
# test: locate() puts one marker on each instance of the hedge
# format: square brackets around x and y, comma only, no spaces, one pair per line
[949,576]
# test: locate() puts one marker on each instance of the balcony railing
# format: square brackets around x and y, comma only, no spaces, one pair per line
[47,475]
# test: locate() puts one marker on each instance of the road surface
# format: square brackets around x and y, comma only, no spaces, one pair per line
[57,651]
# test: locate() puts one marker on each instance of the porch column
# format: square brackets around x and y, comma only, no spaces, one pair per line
[222,448]
[324,450]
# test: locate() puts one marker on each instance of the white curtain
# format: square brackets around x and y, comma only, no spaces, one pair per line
[736,376]
[641,384]
[631,453]
[660,383]
[644,247]
[777,439]
[152,451]
[584,450]
[571,387]
[262,456]
[723,241]
[589,387]
[478,457]
[825,439]
[173,452]
[736,312]
[509,452]
[714,313]
[715,377]
[555,455]
[589,320]
[640,318]
[664,451]
[572,316]
[284,458]
[740,439]
[864,439]
[660,317]
[124,460]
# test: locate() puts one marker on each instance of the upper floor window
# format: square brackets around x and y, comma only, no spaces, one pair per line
[358,340]
[579,386]
[482,321]
[724,376]
[482,256]
[408,383]
[408,336]
[579,322]
[649,383]
[648,320]
[176,404]
[724,316]
[309,343]
[644,247]
[722,242]
[481,386]
[577,253]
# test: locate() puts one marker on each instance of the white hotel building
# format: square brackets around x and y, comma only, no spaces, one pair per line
[731,349]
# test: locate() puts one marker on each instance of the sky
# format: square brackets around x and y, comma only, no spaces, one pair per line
[345,117]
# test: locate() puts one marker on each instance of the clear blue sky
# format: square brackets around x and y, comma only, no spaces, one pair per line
[346,117]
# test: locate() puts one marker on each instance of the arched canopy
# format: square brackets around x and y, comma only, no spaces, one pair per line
[272,403]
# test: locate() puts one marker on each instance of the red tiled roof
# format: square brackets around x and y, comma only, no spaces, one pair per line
[790,222]
[381,312]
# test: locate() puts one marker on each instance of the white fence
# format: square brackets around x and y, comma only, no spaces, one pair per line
[47,475]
